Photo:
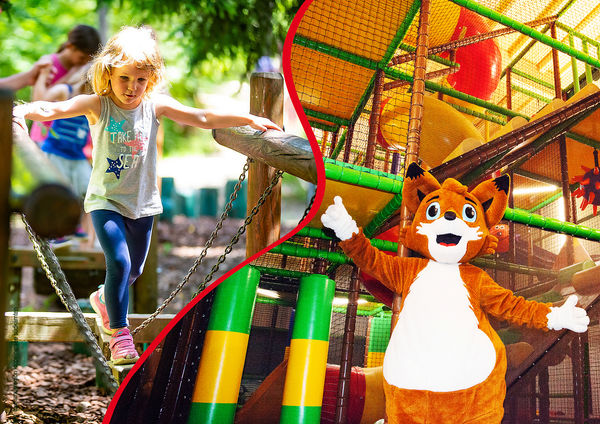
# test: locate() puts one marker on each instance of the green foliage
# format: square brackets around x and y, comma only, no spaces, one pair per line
[204,43]
[38,27]
[223,30]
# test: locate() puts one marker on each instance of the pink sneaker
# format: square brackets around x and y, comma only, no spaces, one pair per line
[97,302]
[122,350]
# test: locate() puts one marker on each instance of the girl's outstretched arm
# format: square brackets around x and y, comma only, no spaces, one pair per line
[88,105]
[207,119]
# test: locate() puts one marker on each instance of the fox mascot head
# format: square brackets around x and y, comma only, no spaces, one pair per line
[452,224]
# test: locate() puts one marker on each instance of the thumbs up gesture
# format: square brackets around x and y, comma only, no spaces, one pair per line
[337,218]
[568,316]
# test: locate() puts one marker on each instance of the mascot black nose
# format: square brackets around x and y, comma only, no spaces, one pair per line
[449,215]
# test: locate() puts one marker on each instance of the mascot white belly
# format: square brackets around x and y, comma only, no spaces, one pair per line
[436,344]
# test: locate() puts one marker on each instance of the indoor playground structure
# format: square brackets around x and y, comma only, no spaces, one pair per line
[470,90]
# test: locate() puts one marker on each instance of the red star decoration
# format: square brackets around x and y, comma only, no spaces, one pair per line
[137,144]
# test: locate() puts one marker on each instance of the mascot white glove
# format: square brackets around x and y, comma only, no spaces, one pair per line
[568,316]
[337,218]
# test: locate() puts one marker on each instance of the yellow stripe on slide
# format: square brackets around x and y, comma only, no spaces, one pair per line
[221,367]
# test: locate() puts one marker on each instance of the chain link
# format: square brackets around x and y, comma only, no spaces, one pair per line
[15,339]
[308,208]
[51,267]
[202,255]
[240,231]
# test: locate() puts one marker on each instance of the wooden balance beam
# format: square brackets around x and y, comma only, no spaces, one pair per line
[24,256]
[50,327]
[60,327]
[286,152]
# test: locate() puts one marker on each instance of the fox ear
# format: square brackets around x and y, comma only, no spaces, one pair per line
[417,184]
[493,195]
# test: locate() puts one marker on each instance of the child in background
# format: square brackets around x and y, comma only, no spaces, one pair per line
[123,195]
[82,43]
[66,139]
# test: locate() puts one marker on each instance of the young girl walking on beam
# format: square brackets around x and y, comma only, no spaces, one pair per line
[122,194]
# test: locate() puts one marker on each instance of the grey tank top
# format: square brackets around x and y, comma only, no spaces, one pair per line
[124,176]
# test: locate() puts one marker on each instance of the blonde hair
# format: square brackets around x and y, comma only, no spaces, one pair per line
[129,46]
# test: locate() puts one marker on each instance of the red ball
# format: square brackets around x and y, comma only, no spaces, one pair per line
[480,63]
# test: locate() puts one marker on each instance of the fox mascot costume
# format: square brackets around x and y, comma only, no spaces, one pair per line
[444,362]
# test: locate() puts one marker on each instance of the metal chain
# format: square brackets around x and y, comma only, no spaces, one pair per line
[240,231]
[15,339]
[52,268]
[308,208]
[207,246]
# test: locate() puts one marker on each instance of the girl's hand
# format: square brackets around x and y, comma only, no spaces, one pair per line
[44,67]
[262,124]
[19,113]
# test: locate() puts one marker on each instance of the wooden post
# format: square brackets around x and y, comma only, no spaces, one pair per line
[343,388]
[512,248]
[324,141]
[6,101]
[374,121]
[266,99]
[564,176]
[334,141]
[555,65]
[508,88]
[348,145]
[414,124]
[544,383]
[578,379]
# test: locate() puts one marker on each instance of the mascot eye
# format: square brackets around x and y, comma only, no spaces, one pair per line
[433,211]
[469,213]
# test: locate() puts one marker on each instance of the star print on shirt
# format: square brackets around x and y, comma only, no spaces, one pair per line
[114,166]
[137,144]
[114,126]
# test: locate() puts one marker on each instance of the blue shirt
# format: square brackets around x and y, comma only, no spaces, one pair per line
[67,137]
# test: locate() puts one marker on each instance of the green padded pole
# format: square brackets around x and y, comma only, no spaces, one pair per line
[305,375]
[220,373]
